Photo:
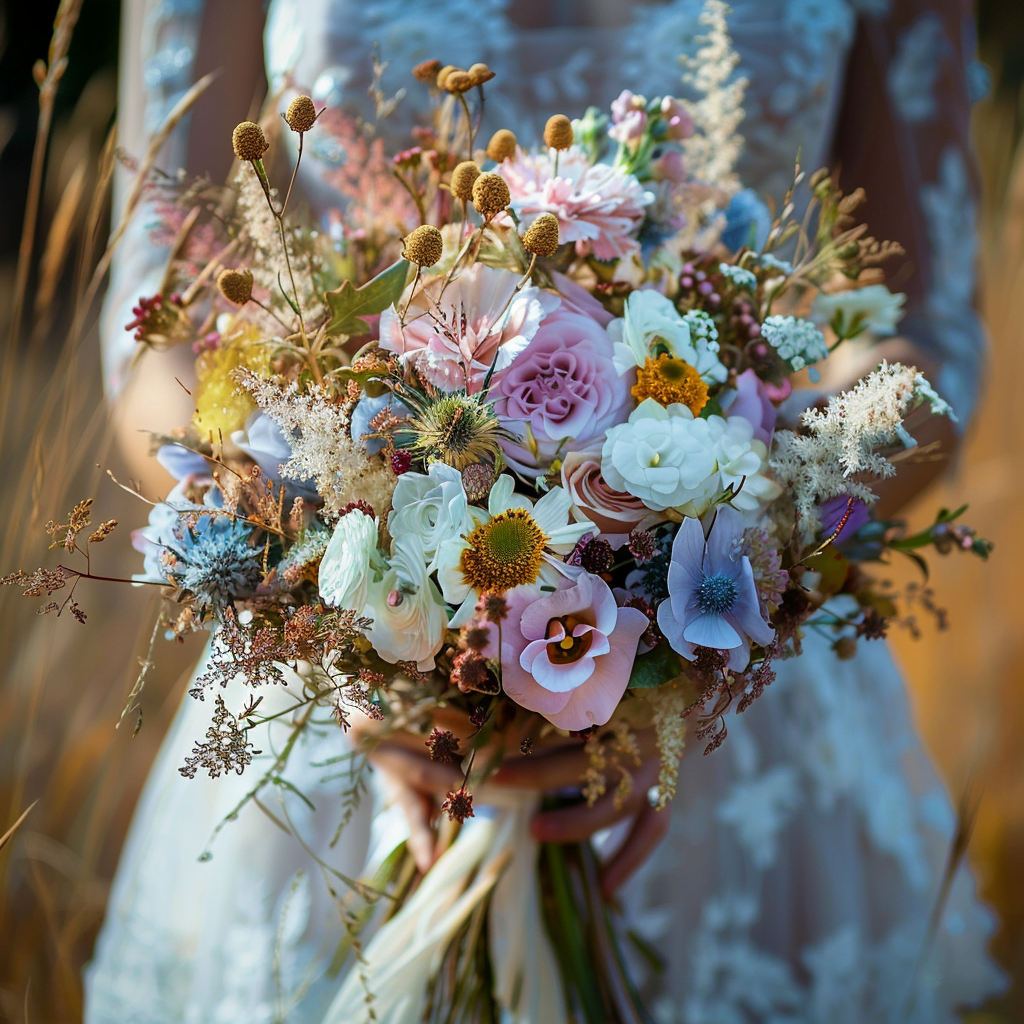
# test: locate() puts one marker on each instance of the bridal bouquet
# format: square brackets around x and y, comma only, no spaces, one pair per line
[520,437]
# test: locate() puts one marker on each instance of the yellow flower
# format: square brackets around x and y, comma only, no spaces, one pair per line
[503,553]
[220,405]
[670,381]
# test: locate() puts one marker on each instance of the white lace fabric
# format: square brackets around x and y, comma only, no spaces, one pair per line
[805,855]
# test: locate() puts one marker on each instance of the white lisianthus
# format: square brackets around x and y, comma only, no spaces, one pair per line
[350,561]
[668,458]
[516,543]
[432,507]
[650,319]
[879,309]
[408,614]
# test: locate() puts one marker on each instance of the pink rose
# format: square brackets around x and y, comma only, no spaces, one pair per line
[568,655]
[615,513]
[678,122]
[751,401]
[562,392]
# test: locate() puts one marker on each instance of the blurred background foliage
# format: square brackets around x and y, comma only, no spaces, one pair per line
[63,686]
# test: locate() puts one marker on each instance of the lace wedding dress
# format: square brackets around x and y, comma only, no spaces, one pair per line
[806,856]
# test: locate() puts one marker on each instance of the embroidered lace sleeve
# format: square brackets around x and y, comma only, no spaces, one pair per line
[903,135]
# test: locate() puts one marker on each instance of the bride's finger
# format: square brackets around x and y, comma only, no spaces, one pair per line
[416,770]
[577,822]
[418,809]
[648,830]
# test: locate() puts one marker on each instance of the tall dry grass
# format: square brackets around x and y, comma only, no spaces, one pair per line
[69,779]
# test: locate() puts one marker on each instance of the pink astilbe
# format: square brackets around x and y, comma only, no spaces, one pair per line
[598,207]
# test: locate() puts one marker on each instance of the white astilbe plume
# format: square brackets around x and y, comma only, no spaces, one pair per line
[711,152]
[843,439]
[319,435]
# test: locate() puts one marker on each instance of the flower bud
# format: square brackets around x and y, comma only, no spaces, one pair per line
[248,141]
[480,73]
[301,114]
[458,82]
[490,195]
[442,75]
[558,133]
[541,237]
[236,285]
[426,70]
[502,145]
[423,246]
[463,178]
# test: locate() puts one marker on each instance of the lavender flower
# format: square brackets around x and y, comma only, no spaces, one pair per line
[712,596]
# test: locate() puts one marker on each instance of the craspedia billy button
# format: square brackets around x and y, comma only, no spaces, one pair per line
[301,114]
[458,82]
[558,133]
[480,73]
[236,285]
[502,145]
[490,194]
[541,237]
[423,246]
[248,141]
[426,70]
[463,178]
[442,75]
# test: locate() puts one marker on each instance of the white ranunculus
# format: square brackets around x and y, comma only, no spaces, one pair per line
[407,611]
[742,459]
[650,316]
[432,507]
[350,561]
[668,458]
[882,309]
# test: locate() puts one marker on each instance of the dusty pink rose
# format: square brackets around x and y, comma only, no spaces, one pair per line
[452,338]
[613,512]
[753,404]
[569,654]
[598,207]
[561,393]
[678,122]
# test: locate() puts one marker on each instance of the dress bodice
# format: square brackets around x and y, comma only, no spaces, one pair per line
[792,53]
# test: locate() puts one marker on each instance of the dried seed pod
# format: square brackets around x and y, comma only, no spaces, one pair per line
[423,246]
[558,133]
[541,237]
[502,145]
[426,70]
[301,114]
[236,285]
[248,141]
[458,82]
[480,73]
[490,195]
[463,177]
[442,75]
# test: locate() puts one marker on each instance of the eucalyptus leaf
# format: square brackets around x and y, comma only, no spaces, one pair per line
[349,304]
[659,666]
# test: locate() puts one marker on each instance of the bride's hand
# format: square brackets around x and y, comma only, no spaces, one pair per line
[559,764]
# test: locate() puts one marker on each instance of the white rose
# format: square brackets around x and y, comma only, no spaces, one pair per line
[741,459]
[408,613]
[663,456]
[881,309]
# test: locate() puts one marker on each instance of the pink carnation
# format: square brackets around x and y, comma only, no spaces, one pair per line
[568,655]
[453,337]
[598,207]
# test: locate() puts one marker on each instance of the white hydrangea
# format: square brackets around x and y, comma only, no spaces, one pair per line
[878,309]
[740,276]
[668,458]
[796,340]
[650,319]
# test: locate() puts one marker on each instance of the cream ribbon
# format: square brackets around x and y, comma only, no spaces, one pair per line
[494,854]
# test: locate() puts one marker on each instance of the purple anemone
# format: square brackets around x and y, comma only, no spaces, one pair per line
[712,598]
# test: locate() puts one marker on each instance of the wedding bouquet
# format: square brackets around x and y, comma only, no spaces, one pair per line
[515,438]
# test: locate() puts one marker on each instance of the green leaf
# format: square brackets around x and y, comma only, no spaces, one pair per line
[349,304]
[659,666]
